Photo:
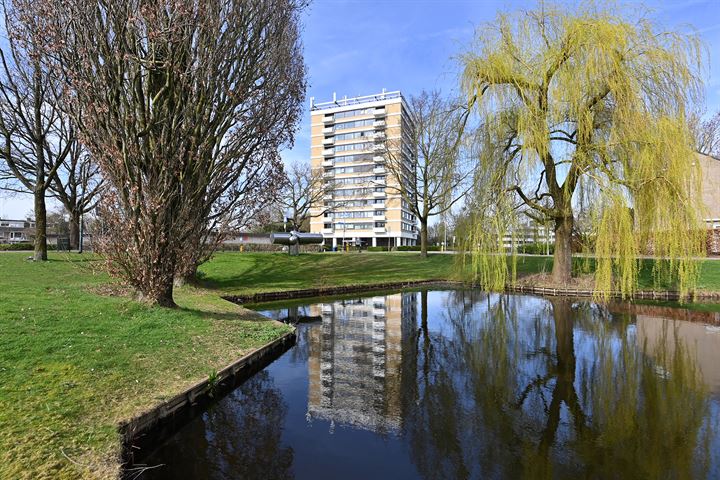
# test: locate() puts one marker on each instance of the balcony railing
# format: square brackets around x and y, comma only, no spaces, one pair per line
[328,119]
[328,141]
[328,163]
[379,124]
[328,130]
[379,158]
[379,112]
[328,152]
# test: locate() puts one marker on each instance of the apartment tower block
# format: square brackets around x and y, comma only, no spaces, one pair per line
[351,139]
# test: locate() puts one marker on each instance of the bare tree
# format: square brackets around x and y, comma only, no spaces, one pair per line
[434,174]
[32,126]
[180,99]
[302,192]
[77,184]
[707,135]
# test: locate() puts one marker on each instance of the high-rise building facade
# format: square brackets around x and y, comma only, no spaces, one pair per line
[352,138]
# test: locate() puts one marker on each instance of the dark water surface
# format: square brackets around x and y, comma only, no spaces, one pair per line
[465,384]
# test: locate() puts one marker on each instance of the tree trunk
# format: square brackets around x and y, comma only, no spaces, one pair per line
[562,259]
[40,253]
[188,277]
[74,230]
[423,238]
[164,296]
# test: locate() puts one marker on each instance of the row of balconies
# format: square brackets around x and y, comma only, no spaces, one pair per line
[377,124]
[379,112]
[330,231]
[330,174]
[329,195]
[379,218]
[329,162]
[330,152]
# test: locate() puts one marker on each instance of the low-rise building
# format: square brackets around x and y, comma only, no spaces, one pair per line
[17,231]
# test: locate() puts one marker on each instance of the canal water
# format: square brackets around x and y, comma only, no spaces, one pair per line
[465,384]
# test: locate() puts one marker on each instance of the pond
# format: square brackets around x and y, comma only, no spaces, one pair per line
[467,384]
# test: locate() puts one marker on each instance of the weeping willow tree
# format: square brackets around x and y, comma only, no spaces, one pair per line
[585,111]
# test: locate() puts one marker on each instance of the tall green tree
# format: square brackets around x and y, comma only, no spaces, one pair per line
[588,107]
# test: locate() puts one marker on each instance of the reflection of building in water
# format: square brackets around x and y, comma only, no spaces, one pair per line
[355,360]
[701,339]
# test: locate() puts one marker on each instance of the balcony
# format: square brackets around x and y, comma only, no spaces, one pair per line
[379,181]
[379,194]
[379,148]
[328,119]
[329,174]
[328,141]
[328,163]
[328,231]
[379,205]
[379,158]
[379,112]
[380,218]
[328,130]
[328,152]
[379,136]
[379,229]
[379,124]
[379,170]
[328,196]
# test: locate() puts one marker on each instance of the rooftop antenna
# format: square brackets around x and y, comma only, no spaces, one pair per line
[335,97]
[312,102]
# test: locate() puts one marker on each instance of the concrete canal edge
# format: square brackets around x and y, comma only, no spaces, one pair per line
[336,290]
[667,295]
[142,432]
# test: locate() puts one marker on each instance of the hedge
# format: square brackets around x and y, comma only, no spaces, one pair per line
[536,248]
[7,247]
[416,248]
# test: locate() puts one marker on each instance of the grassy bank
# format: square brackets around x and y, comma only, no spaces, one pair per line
[74,363]
[79,355]
[236,273]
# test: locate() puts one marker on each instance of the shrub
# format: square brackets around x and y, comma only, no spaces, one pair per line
[377,249]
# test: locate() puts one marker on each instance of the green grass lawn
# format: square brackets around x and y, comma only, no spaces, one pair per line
[243,273]
[76,360]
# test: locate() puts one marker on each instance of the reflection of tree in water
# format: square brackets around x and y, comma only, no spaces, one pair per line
[244,433]
[510,394]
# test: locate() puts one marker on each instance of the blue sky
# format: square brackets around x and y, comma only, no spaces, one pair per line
[359,47]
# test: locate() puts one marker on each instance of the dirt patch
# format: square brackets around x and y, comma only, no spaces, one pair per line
[113,290]
[544,280]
